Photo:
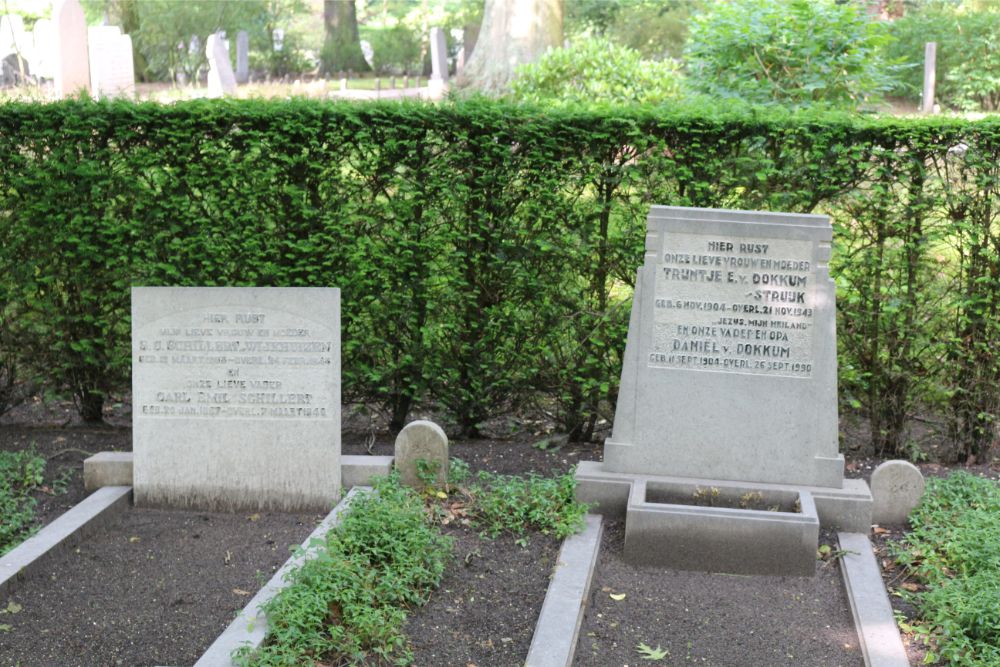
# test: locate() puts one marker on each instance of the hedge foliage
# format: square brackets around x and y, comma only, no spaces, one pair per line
[486,252]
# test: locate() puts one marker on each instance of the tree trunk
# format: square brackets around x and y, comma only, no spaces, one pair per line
[342,46]
[513,32]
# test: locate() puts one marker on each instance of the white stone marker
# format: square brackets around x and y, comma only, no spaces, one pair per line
[236,397]
[112,69]
[72,63]
[897,487]
[421,441]
[221,80]
[242,57]
[730,369]
[44,39]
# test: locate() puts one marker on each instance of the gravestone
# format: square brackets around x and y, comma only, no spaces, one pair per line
[242,57]
[422,441]
[729,379]
[236,397]
[44,40]
[112,70]
[221,80]
[439,55]
[897,487]
[71,61]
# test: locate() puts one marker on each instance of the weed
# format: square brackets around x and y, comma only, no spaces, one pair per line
[20,474]
[751,499]
[508,503]
[706,496]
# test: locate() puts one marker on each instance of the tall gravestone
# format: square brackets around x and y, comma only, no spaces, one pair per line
[221,80]
[236,397]
[729,376]
[72,62]
[242,57]
[439,55]
[112,68]
[44,40]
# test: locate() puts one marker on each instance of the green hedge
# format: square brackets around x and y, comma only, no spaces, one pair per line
[486,252]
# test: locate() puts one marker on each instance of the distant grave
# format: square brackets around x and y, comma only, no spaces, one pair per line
[729,391]
[236,397]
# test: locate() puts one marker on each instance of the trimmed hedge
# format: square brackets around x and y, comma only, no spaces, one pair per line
[486,252]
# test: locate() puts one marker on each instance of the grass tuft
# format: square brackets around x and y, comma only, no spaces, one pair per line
[21,473]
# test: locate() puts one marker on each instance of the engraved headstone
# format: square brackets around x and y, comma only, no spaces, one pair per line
[72,64]
[897,487]
[236,397]
[112,70]
[730,368]
[421,455]
[221,80]
[439,55]
[242,57]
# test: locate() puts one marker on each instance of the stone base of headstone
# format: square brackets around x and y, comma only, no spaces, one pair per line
[677,532]
[436,88]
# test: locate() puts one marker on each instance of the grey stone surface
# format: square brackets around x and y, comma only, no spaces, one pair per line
[877,631]
[730,364]
[72,68]
[250,626]
[63,533]
[221,80]
[358,470]
[242,57]
[107,469]
[558,626]
[896,489]
[421,441]
[439,55]
[719,539]
[849,507]
[236,397]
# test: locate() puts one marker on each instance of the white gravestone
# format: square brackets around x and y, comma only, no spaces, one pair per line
[236,397]
[439,55]
[421,455]
[897,487]
[242,57]
[730,369]
[112,69]
[221,80]
[44,39]
[72,64]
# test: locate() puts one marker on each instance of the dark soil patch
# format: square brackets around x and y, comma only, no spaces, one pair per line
[151,587]
[714,619]
[485,611]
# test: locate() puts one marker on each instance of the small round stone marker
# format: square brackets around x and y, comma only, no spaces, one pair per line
[422,441]
[896,490]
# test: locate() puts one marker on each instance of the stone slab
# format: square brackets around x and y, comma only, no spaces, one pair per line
[360,470]
[221,79]
[63,533]
[112,68]
[730,364]
[897,487]
[558,626]
[721,539]
[242,57]
[250,627]
[421,440]
[873,618]
[439,55]
[107,469]
[236,397]
[847,508]
[72,62]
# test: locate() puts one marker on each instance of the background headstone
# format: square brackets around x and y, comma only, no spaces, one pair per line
[896,489]
[730,368]
[221,80]
[236,397]
[421,441]
[112,70]
[242,57]
[44,40]
[439,55]
[72,62]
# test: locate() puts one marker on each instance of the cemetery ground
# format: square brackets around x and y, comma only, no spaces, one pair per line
[206,566]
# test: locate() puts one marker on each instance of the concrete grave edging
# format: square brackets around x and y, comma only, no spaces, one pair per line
[63,533]
[250,626]
[558,627]
[878,634]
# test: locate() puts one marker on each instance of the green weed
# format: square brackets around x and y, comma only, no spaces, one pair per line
[954,549]
[20,474]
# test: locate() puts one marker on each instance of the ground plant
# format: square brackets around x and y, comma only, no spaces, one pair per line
[953,550]
[21,473]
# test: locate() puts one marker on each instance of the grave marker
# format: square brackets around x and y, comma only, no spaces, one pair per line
[422,441]
[112,70]
[236,397]
[221,80]
[242,57]
[72,63]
